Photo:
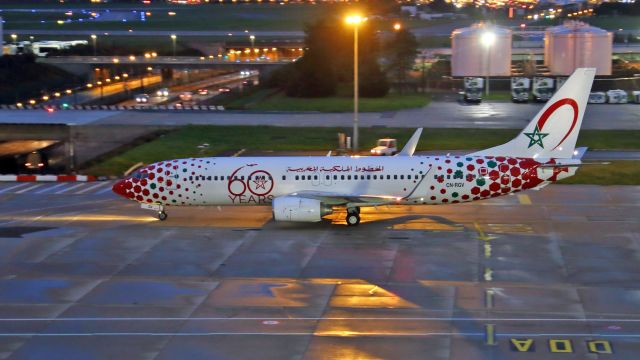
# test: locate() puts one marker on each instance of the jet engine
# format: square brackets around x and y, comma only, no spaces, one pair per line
[292,208]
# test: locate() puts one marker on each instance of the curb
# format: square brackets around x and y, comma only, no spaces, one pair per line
[187,108]
[47,178]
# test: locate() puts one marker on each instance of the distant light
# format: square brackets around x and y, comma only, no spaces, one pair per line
[45,98]
[171,13]
[355,19]
[56,94]
[68,91]
[116,60]
[32,102]
[132,58]
[89,85]
[488,38]
[397,26]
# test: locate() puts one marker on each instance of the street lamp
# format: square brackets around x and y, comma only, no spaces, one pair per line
[487,39]
[355,21]
[173,41]
[14,37]
[397,26]
[253,40]
[94,38]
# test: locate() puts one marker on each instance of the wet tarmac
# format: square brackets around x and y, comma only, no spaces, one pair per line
[552,274]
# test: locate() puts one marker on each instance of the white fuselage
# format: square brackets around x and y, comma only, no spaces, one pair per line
[404,179]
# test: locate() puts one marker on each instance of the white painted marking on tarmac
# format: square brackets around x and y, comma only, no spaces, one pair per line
[69,188]
[21,191]
[50,188]
[321,318]
[90,188]
[107,189]
[317,334]
[13,187]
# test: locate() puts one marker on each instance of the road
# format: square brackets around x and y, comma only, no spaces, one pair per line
[439,114]
[86,274]
[233,79]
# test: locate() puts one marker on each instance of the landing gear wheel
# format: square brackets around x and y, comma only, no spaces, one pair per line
[162,216]
[353,218]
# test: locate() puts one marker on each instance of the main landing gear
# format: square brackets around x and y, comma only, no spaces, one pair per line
[353,216]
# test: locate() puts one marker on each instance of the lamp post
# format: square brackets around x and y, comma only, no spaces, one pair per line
[173,42]
[253,41]
[14,37]
[355,21]
[94,39]
[487,39]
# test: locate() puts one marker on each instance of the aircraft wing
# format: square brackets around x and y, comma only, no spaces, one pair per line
[332,198]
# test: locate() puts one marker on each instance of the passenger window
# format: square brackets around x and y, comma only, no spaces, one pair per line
[297,177]
[341,177]
[376,176]
[315,177]
[348,177]
[448,176]
[327,177]
[209,178]
[302,177]
[368,177]
[215,178]
[284,177]
[401,177]
[395,177]
[388,177]
[335,177]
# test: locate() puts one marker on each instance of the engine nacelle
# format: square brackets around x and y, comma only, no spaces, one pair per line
[292,208]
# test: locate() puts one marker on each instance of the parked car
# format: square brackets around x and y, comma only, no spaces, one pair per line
[142,98]
[385,147]
[224,89]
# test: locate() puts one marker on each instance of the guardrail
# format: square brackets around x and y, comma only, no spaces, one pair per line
[115,107]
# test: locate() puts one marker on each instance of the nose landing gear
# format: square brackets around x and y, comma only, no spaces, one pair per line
[162,216]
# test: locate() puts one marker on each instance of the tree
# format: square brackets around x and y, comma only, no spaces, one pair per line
[401,54]
[328,59]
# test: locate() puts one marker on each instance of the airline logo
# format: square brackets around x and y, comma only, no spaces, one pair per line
[536,137]
[247,185]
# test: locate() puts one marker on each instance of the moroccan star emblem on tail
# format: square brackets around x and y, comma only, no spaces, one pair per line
[536,137]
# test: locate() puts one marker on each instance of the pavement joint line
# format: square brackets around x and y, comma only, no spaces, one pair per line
[475,319]
[376,334]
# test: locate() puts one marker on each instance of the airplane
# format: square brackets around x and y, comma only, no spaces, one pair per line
[304,189]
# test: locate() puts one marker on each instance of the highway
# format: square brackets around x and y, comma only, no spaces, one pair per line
[233,80]
[85,272]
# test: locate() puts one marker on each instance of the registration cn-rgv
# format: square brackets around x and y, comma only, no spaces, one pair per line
[305,189]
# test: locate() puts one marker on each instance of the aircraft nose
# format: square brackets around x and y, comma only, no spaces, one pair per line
[120,188]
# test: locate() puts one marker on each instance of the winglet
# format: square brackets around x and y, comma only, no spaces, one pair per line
[578,153]
[410,147]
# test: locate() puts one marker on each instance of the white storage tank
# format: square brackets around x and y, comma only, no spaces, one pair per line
[481,50]
[576,44]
